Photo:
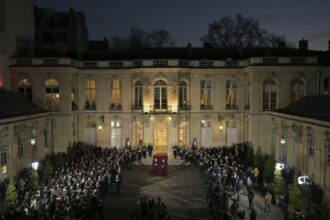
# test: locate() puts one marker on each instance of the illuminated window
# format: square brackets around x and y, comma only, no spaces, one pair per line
[206,95]
[138,134]
[311,145]
[52,96]
[115,95]
[138,95]
[183,135]
[25,88]
[269,95]
[4,149]
[231,133]
[115,133]
[297,90]
[90,102]
[231,94]
[160,95]
[206,133]
[183,95]
[2,16]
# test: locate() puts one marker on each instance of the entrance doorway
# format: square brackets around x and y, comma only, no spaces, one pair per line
[160,139]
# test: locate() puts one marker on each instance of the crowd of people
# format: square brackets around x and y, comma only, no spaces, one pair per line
[76,189]
[225,176]
[150,209]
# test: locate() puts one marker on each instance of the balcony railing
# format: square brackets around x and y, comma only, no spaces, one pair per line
[90,106]
[160,63]
[115,107]
[184,107]
[206,107]
[232,107]
[137,107]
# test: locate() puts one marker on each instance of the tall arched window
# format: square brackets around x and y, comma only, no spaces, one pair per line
[115,95]
[52,96]
[297,90]
[183,95]
[310,144]
[25,88]
[138,95]
[206,95]
[269,95]
[160,95]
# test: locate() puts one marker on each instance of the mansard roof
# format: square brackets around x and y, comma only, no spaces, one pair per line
[14,104]
[313,106]
[198,53]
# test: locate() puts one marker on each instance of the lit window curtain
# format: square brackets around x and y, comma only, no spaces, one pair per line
[183,96]
[115,94]
[90,103]
[231,96]
[205,93]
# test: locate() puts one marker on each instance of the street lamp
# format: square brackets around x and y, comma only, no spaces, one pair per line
[282,140]
[279,166]
[306,181]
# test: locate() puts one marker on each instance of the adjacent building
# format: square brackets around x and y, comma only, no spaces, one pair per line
[16,33]
[60,33]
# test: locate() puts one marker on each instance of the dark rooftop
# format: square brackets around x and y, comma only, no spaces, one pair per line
[313,106]
[14,104]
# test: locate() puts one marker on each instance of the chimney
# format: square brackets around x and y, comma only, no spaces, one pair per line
[303,44]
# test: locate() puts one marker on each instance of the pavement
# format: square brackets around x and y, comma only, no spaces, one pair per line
[183,192]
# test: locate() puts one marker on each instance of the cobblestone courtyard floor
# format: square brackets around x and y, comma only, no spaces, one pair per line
[182,191]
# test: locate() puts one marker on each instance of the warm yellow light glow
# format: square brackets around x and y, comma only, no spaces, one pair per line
[174,108]
[100,127]
[57,95]
[169,118]
[152,118]
[221,126]
[146,109]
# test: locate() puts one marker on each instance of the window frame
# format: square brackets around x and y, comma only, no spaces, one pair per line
[205,86]
[297,86]
[268,102]
[160,96]
[310,145]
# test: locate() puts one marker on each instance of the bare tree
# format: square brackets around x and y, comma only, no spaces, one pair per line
[237,32]
[138,38]
[118,43]
[161,38]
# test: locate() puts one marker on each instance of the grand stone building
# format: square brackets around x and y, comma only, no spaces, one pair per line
[184,96]
[186,101]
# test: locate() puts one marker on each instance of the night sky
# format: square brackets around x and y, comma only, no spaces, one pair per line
[187,20]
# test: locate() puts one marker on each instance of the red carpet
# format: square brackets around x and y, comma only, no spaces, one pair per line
[159,165]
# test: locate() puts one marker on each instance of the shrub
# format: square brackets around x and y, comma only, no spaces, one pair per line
[34,181]
[11,197]
[296,198]
[278,183]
